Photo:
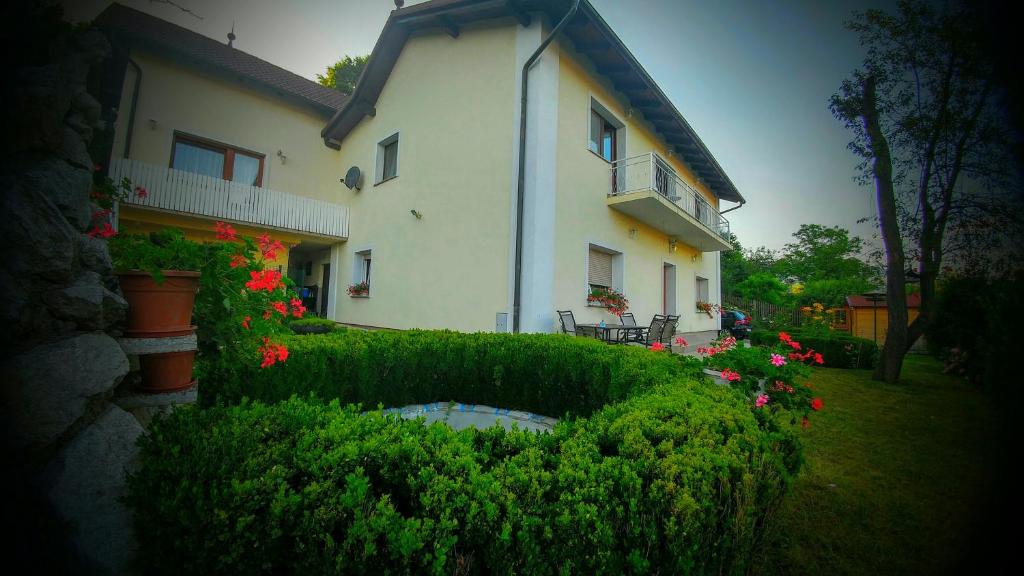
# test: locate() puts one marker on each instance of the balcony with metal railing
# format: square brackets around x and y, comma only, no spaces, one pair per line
[646,188]
[193,194]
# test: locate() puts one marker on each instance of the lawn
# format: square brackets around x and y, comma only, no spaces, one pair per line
[898,479]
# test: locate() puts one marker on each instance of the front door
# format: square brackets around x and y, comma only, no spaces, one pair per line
[668,290]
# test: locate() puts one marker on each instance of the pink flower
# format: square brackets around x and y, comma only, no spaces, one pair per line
[730,375]
[680,341]
[793,344]
[141,192]
[280,307]
[778,360]
[657,347]
[761,400]
[818,358]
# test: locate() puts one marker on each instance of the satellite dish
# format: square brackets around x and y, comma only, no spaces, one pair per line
[354,178]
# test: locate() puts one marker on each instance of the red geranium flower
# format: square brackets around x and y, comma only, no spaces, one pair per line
[817,404]
[225,231]
[238,260]
[245,322]
[657,347]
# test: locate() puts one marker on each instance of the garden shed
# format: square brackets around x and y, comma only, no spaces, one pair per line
[867,315]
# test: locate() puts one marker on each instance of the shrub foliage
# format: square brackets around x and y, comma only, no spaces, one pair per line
[651,470]
[838,349]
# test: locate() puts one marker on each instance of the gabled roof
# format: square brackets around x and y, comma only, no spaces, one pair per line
[185,46]
[861,301]
[589,34]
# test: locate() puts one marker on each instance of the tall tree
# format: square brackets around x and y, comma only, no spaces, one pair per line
[343,74]
[932,141]
[823,253]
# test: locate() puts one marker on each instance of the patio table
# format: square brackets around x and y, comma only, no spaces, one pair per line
[604,333]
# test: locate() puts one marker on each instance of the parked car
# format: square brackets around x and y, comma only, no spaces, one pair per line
[736,323]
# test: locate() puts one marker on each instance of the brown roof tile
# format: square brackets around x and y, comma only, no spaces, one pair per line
[152,32]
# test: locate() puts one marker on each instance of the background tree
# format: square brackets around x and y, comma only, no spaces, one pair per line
[763,286]
[823,253]
[343,74]
[933,142]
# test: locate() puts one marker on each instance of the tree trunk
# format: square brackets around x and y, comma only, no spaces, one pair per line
[891,360]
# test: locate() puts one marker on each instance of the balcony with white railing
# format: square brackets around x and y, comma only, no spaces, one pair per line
[182,192]
[646,188]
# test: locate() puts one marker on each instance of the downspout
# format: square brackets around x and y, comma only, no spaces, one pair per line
[517,295]
[135,102]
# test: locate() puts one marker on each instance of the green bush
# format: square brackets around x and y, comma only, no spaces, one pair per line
[677,480]
[546,374]
[313,325]
[654,469]
[838,349]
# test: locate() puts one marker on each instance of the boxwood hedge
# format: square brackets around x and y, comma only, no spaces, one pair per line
[653,469]
[838,349]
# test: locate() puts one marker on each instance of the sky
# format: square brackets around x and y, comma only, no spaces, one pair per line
[753,78]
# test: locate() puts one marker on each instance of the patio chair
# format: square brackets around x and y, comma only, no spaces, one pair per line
[668,331]
[652,334]
[568,322]
[628,319]
[569,325]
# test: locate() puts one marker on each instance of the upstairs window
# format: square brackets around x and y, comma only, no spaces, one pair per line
[387,159]
[602,137]
[217,160]
[604,133]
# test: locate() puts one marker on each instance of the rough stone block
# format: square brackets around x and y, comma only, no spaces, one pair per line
[86,482]
[47,389]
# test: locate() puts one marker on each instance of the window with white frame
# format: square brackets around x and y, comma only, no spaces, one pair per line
[703,292]
[387,159]
[363,268]
[605,133]
[604,268]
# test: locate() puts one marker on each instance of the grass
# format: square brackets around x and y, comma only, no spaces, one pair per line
[898,479]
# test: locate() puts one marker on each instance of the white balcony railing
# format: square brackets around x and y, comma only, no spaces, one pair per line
[189,193]
[650,172]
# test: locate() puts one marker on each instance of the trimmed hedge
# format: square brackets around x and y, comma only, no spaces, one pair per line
[659,472]
[547,374]
[838,349]
[314,325]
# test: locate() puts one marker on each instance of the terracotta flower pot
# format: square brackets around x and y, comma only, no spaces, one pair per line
[168,372]
[158,310]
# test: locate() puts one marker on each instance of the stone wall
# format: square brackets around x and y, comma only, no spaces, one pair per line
[66,445]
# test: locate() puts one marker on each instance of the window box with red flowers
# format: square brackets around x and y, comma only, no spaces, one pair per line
[608,298]
[360,290]
[708,308]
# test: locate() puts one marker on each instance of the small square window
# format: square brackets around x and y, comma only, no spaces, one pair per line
[387,159]
[703,293]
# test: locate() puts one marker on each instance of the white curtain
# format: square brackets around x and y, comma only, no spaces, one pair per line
[246,169]
[198,160]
